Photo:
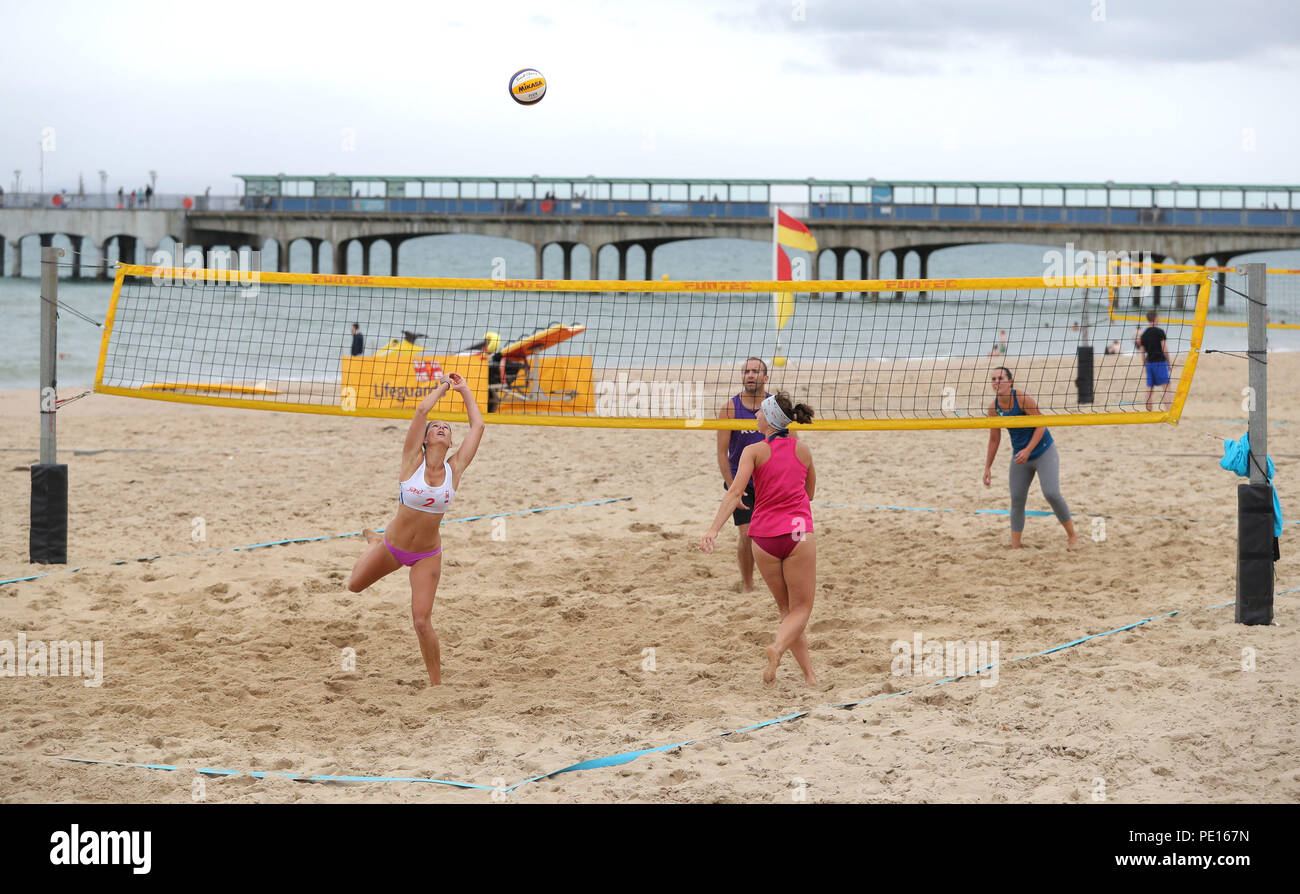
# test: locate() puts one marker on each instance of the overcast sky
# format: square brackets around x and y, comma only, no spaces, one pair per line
[1198,91]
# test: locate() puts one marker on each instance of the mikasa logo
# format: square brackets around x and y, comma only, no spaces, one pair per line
[529,85]
[76,848]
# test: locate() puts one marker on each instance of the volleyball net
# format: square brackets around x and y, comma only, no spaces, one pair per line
[870,354]
[1228,304]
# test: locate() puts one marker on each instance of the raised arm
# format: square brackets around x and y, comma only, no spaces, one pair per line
[468,447]
[413,447]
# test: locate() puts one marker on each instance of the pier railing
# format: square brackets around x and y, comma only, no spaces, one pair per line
[875,212]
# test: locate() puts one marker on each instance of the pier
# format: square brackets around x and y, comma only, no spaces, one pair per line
[588,218]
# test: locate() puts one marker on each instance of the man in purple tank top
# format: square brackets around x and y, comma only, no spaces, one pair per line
[731,444]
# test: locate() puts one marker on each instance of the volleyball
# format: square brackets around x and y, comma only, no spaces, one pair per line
[527,86]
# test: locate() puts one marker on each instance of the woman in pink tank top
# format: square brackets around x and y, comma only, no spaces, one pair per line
[781,527]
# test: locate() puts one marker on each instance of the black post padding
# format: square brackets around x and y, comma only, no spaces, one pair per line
[1254,554]
[1084,381]
[48,541]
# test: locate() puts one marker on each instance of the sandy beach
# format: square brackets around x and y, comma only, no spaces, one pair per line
[237,659]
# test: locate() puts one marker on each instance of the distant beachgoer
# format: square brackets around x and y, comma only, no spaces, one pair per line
[1113,347]
[1000,346]
[358,341]
[1156,352]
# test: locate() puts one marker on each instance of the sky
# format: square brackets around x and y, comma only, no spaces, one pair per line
[1194,91]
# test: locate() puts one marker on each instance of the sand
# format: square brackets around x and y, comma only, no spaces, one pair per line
[235,659]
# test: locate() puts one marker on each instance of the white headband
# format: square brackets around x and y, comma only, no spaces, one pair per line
[775,415]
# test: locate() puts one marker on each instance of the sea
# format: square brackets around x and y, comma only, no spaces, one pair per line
[821,329]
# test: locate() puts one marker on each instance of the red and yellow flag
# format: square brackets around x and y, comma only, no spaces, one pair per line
[792,234]
[783,272]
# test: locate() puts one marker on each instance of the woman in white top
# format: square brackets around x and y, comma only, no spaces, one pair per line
[429,480]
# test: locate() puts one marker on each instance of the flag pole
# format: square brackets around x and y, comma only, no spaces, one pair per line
[776,296]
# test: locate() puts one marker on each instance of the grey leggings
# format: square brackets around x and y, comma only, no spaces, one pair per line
[1048,467]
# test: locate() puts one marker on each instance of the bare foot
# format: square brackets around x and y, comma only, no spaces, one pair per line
[1073,543]
[773,659]
[371,536]
[810,679]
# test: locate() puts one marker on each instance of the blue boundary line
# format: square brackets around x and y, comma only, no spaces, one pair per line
[626,757]
[208,552]
[296,777]
[629,756]
[1040,513]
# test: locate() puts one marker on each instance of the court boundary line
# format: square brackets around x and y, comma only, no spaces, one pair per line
[1036,513]
[235,549]
[614,760]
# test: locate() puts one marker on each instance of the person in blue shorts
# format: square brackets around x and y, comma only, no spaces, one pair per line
[1033,452]
[1156,352]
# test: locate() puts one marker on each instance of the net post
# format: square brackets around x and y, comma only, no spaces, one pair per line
[48,530]
[1084,380]
[1257,350]
[1255,523]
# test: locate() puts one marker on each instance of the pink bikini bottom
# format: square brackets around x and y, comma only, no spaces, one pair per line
[780,546]
[407,558]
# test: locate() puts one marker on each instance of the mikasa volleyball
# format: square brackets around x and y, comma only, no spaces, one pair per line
[527,86]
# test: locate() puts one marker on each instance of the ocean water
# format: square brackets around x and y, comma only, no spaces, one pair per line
[701,329]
